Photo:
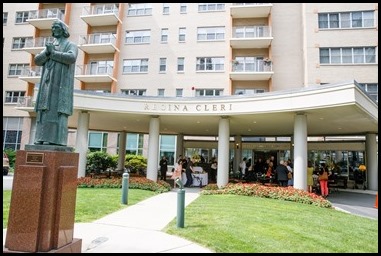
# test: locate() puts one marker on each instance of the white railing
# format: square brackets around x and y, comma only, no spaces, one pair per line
[46,14]
[99,38]
[94,69]
[235,4]
[256,66]
[100,9]
[25,101]
[38,41]
[31,71]
[251,32]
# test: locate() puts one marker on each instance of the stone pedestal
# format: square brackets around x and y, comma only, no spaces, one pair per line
[42,208]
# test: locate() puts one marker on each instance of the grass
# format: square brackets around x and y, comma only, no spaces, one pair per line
[92,203]
[245,224]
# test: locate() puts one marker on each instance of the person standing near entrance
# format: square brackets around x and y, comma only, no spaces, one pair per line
[281,172]
[323,181]
[54,103]
[188,173]
[163,168]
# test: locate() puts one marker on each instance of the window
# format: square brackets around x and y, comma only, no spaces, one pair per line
[371,89]
[139,9]
[167,147]
[248,64]
[248,91]
[19,42]
[98,141]
[164,35]
[362,19]
[209,92]
[138,37]
[182,32]
[209,7]
[179,92]
[354,55]
[160,92]
[134,143]
[135,66]
[138,92]
[209,64]
[21,17]
[210,33]
[180,64]
[16,69]
[163,65]
[12,132]
[165,8]
[102,67]
[13,96]
[5,18]
[183,8]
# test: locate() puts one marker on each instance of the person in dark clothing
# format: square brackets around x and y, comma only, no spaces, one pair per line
[188,173]
[163,168]
[281,172]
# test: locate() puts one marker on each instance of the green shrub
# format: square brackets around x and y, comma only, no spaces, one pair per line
[135,163]
[99,161]
[11,153]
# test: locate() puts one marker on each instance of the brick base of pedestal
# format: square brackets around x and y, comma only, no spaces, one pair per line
[42,207]
[73,247]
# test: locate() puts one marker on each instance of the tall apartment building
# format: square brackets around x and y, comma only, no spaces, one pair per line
[182,69]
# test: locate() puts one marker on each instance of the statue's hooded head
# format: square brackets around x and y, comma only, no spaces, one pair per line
[64,28]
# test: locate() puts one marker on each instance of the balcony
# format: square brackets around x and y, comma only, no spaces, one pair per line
[31,74]
[98,43]
[94,73]
[36,45]
[245,37]
[260,70]
[250,10]
[43,19]
[101,15]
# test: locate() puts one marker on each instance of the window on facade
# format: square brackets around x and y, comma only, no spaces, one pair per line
[21,17]
[163,65]
[183,8]
[210,33]
[210,64]
[101,67]
[138,37]
[139,9]
[179,92]
[19,42]
[98,141]
[248,64]
[17,69]
[160,92]
[135,66]
[164,35]
[209,7]
[180,64]
[13,96]
[134,143]
[182,32]
[209,92]
[12,132]
[371,89]
[165,8]
[5,18]
[167,148]
[139,92]
[350,55]
[363,19]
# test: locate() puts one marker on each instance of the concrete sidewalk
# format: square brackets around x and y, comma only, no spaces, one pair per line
[136,229]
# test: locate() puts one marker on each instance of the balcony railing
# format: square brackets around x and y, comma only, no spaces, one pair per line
[256,66]
[46,14]
[99,38]
[251,32]
[25,102]
[31,74]
[100,9]
[38,41]
[94,73]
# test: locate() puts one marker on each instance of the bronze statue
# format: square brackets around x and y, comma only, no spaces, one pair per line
[54,102]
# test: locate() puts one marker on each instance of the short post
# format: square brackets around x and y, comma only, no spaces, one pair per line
[125,188]
[180,203]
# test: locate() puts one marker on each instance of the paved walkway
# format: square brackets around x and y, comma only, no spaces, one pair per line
[137,228]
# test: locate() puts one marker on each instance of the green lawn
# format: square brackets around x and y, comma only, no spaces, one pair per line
[231,223]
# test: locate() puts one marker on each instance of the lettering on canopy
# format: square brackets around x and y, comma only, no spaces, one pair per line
[188,108]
